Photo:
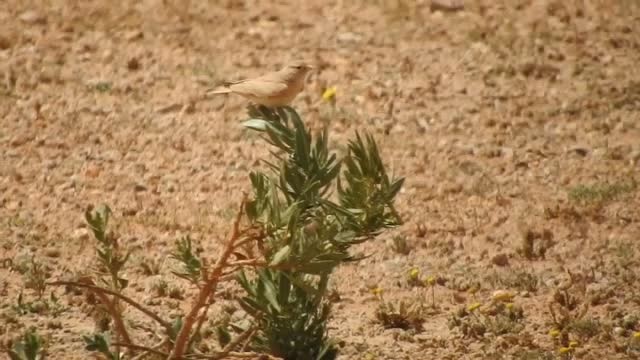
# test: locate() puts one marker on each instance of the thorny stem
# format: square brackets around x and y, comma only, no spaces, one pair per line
[152,349]
[121,330]
[140,348]
[102,291]
[203,315]
[250,238]
[216,356]
[209,288]
[112,308]
[249,262]
[247,334]
[259,264]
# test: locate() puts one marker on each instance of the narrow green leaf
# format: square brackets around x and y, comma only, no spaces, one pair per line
[250,307]
[256,124]
[280,256]
[303,285]
[318,267]
[284,289]
[269,291]
[395,188]
[223,335]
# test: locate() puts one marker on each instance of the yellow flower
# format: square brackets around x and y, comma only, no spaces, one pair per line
[330,93]
[377,291]
[636,335]
[565,350]
[554,333]
[431,280]
[413,274]
[509,306]
[573,344]
[473,307]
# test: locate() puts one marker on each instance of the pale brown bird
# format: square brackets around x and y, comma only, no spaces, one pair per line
[274,89]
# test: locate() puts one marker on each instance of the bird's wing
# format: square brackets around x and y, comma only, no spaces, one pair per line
[258,87]
[219,90]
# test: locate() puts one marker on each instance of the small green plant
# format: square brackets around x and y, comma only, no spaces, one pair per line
[191,263]
[601,193]
[49,306]
[520,279]
[176,293]
[29,347]
[103,86]
[625,254]
[497,317]
[307,233]
[100,343]
[405,315]
[400,245]
[534,244]
[568,309]
[110,255]
[304,215]
[151,266]
[35,277]
[585,328]
[160,288]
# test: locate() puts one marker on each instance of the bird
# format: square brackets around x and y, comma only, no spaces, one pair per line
[275,89]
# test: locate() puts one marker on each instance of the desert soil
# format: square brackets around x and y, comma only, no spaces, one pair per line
[510,120]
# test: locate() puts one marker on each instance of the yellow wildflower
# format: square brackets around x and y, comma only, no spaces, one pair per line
[330,93]
[431,280]
[473,307]
[554,333]
[377,291]
[413,274]
[636,335]
[509,306]
[565,350]
[573,344]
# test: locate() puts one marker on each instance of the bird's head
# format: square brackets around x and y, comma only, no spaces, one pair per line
[297,70]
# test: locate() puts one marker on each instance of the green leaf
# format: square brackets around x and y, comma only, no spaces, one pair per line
[284,289]
[175,327]
[269,291]
[301,284]
[280,256]
[395,188]
[223,335]
[289,213]
[251,307]
[318,267]
[256,124]
[99,343]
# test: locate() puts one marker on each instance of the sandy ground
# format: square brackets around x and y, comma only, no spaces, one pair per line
[511,120]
